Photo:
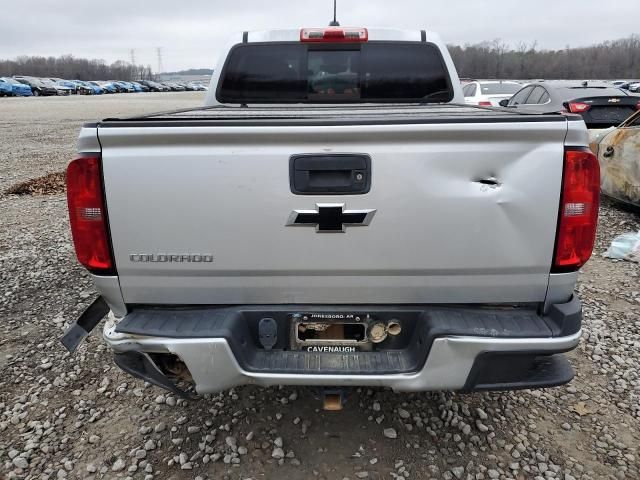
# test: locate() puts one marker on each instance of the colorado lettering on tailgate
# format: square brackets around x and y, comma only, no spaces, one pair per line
[166,258]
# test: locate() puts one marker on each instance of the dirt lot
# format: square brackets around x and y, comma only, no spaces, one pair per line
[80,417]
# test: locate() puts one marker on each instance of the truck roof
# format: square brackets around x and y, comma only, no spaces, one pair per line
[326,37]
[374,34]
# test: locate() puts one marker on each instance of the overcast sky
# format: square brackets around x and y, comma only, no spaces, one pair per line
[190,32]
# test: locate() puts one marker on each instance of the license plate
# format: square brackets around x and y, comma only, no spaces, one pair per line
[330,332]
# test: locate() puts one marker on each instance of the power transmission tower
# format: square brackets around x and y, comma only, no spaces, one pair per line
[132,53]
[159,52]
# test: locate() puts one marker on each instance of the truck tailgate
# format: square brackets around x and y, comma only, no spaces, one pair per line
[465,213]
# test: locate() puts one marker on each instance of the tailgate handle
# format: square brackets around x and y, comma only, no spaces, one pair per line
[333,174]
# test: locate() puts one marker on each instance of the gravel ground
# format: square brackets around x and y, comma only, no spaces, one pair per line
[80,417]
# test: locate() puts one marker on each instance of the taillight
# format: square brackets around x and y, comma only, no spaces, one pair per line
[88,216]
[334,34]
[577,107]
[638,106]
[484,103]
[578,217]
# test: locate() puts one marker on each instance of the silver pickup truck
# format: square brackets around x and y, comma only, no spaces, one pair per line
[336,216]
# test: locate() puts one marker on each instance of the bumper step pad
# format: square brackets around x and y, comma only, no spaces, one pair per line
[517,372]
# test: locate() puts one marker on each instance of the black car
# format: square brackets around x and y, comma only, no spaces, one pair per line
[174,87]
[599,104]
[38,87]
[153,86]
[186,87]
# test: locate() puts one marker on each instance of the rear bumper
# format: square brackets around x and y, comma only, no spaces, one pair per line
[479,350]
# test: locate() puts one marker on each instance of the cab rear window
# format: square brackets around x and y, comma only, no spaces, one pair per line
[372,72]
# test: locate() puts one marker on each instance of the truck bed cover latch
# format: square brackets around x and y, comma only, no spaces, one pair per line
[81,328]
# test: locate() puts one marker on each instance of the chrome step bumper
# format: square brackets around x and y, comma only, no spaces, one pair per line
[450,363]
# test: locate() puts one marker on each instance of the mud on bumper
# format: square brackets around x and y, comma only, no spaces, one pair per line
[443,348]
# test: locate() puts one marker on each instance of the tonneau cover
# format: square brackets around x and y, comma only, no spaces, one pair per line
[338,115]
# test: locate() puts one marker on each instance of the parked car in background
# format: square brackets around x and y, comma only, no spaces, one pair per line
[599,104]
[148,84]
[174,87]
[152,86]
[38,87]
[489,93]
[61,89]
[624,84]
[122,86]
[634,87]
[118,88]
[65,83]
[618,151]
[6,90]
[139,87]
[75,87]
[108,87]
[131,88]
[82,88]
[95,89]
[18,89]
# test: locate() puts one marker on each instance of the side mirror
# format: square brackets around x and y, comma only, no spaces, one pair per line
[504,103]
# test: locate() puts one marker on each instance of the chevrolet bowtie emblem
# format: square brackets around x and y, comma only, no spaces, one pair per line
[330,217]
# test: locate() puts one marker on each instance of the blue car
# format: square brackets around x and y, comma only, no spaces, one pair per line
[15,88]
[96,89]
[107,87]
[76,86]
[5,88]
[65,83]
[85,88]
[124,87]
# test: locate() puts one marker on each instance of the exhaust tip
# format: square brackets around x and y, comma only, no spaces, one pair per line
[377,332]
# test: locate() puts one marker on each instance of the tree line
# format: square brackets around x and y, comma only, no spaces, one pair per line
[617,59]
[70,67]
[607,60]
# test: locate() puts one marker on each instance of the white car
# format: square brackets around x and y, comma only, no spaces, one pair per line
[489,93]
